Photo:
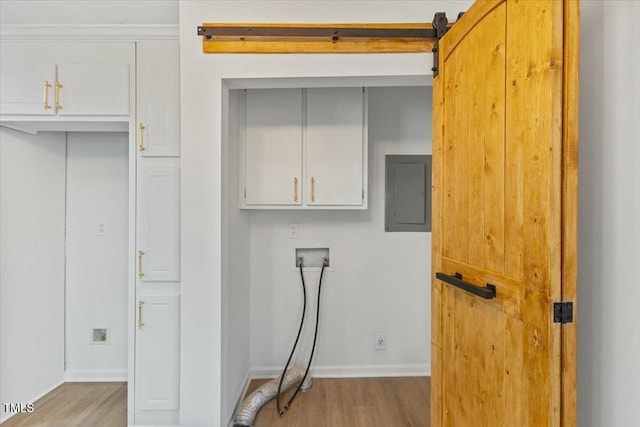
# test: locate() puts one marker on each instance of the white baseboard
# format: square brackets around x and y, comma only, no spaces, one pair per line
[91,376]
[5,416]
[352,371]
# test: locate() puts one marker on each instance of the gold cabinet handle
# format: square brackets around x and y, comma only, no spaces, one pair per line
[295,189]
[140,322]
[58,87]
[141,146]
[45,94]
[313,189]
[140,273]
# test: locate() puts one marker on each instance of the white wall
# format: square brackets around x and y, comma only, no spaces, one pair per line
[96,273]
[32,186]
[235,267]
[88,12]
[201,140]
[609,215]
[380,281]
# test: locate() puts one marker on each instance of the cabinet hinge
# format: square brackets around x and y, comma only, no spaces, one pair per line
[563,312]
[441,25]
[244,193]
[363,194]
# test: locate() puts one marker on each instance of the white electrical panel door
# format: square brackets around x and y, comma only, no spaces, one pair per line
[157,357]
[158,102]
[158,255]
[335,146]
[273,147]
[92,90]
[27,88]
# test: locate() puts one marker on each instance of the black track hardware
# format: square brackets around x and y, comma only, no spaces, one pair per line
[332,33]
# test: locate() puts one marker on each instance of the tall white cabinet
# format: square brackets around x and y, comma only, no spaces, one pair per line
[96,84]
[157,343]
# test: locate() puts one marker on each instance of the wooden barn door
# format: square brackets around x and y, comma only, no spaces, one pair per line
[505,198]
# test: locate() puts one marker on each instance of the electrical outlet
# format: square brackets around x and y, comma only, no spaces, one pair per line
[380,341]
[293,231]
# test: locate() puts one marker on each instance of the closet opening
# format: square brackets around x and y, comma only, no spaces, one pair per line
[65,244]
[377,283]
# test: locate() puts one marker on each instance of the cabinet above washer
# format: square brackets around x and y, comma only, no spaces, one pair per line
[304,149]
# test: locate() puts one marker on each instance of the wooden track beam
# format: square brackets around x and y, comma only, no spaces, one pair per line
[316,38]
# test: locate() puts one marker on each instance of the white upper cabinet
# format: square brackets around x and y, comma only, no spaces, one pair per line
[335,147]
[158,212]
[273,147]
[66,79]
[92,90]
[27,89]
[158,106]
[304,149]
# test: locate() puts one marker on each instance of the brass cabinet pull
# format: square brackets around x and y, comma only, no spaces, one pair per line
[140,273]
[295,189]
[58,87]
[140,322]
[141,142]
[313,189]
[45,94]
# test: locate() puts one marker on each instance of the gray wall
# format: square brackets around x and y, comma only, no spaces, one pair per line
[609,223]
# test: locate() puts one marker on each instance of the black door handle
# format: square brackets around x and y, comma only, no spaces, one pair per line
[488,292]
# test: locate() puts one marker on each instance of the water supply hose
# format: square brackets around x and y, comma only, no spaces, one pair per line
[315,338]
[295,344]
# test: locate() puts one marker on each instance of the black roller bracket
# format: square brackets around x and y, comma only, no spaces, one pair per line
[439,23]
[563,312]
[488,292]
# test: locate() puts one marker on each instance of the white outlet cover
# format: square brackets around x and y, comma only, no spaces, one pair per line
[380,341]
[293,231]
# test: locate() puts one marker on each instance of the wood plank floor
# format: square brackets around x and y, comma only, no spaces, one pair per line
[370,402]
[352,402]
[78,404]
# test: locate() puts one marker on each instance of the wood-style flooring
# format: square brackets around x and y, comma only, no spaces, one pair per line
[348,402]
[352,402]
[77,404]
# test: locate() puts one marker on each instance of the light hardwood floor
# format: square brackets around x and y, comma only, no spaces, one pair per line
[78,404]
[351,402]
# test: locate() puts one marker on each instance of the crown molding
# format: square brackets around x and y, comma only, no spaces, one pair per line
[59,32]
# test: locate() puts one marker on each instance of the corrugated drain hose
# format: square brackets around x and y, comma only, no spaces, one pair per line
[313,347]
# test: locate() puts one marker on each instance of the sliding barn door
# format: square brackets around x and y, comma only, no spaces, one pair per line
[504,240]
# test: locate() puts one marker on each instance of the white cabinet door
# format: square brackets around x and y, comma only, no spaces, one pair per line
[273,147]
[157,358]
[158,101]
[335,146]
[27,88]
[159,220]
[93,89]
